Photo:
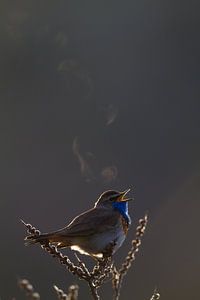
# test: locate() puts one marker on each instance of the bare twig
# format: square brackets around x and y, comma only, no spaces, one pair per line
[73,292]
[102,270]
[155,295]
[82,265]
[118,275]
[52,250]
[60,294]
[25,285]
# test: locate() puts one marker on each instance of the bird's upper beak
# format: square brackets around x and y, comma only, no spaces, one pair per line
[122,197]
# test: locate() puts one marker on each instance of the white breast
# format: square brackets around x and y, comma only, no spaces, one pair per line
[98,243]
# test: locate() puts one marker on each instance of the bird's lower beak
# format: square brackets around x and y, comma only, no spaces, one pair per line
[122,197]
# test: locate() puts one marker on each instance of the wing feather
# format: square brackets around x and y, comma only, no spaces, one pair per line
[91,222]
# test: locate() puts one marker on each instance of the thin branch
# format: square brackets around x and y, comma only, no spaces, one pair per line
[82,265]
[60,294]
[118,275]
[25,285]
[73,292]
[53,251]
[102,270]
[155,296]
[93,290]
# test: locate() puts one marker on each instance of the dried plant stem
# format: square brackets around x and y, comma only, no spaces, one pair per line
[102,270]
[95,278]
[93,290]
[118,275]
[25,285]
[52,250]
[60,294]
[155,296]
[73,292]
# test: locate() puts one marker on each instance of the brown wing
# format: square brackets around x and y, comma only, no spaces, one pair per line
[90,222]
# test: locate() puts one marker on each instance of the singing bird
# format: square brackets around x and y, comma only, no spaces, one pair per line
[94,230]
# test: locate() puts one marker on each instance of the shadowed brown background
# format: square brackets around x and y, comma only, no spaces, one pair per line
[97,95]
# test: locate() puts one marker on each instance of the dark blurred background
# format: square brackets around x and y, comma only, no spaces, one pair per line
[98,95]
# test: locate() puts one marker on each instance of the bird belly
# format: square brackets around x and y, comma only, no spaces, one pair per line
[96,244]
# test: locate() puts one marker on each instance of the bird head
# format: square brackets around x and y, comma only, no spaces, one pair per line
[110,197]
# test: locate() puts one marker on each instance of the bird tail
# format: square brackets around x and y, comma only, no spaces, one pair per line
[53,237]
[34,239]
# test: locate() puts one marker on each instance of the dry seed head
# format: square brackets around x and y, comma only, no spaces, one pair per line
[23,282]
[35,296]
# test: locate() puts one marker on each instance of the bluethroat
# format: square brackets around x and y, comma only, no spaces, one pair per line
[94,230]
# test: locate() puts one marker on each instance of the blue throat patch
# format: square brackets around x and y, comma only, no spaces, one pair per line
[122,207]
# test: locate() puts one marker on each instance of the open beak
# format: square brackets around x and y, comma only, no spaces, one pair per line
[123,198]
